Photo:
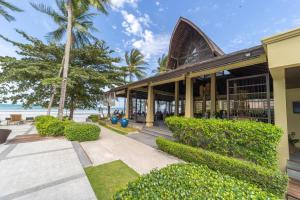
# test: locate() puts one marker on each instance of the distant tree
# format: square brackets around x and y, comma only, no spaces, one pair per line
[162,64]
[4,13]
[135,61]
[30,79]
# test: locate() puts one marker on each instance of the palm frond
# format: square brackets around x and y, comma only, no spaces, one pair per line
[10,6]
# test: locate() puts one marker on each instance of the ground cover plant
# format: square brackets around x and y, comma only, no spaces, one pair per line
[117,127]
[108,178]
[268,179]
[190,181]
[249,140]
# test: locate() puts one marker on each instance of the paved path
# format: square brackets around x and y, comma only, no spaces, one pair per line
[112,146]
[144,138]
[48,169]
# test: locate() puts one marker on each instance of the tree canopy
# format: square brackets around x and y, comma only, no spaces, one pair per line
[30,79]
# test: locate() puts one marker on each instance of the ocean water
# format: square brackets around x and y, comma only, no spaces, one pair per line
[7,109]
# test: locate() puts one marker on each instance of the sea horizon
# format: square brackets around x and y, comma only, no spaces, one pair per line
[80,115]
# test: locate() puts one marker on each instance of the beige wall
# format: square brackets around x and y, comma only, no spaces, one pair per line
[283,49]
[293,119]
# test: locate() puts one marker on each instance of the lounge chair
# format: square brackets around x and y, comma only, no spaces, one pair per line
[15,119]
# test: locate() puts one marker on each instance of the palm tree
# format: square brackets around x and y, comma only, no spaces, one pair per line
[162,64]
[71,9]
[82,24]
[135,62]
[4,13]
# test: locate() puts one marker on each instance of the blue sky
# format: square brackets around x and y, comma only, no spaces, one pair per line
[147,24]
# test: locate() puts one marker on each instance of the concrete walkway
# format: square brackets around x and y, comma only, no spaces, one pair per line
[48,169]
[112,146]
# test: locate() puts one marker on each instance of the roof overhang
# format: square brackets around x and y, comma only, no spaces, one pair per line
[243,58]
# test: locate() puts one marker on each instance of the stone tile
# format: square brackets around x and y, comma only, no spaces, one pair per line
[39,146]
[141,157]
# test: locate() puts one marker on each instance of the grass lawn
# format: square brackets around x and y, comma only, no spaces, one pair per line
[108,178]
[118,128]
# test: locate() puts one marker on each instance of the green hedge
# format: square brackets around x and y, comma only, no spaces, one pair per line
[50,126]
[249,140]
[82,132]
[94,118]
[268,179]
[190,181]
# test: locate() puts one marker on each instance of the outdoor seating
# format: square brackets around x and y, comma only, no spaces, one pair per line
[4,133]
[15,119]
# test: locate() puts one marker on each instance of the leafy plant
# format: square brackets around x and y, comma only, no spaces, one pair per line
[94,118]
[249,140]
[270,180]
[292,139]
[190,181]
[82,132]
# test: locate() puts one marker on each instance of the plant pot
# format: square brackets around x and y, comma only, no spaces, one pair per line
[4,133]
[124,123]
[114,120]
[292,148]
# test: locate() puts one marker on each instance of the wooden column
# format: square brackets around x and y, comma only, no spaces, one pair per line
[280,114]
[127,109]
[150,105]
[213,95]
[189,112]
[176,111]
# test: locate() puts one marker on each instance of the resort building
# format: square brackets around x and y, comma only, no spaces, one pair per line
[261,83]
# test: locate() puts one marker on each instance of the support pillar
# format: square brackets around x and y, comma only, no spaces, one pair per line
[127,110]
[213,95]
[150,105]
[189,112]
[280,114]
[176,111]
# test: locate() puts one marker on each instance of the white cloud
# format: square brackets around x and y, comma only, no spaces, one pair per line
[118,4]
[114,27]
[131,24]
[152,45]
[157,3]
[134,25]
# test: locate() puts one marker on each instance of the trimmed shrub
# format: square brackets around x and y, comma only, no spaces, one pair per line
[94,118]
[190,181]
[50,126]
[42,122]
[268,179]
[249,140]
[82,132]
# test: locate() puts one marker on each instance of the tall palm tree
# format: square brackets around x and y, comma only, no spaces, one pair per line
[135,61]
[4,13]
[71,9]
[82,24]
[162,64]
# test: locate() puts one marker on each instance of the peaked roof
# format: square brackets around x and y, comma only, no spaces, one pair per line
[176,37]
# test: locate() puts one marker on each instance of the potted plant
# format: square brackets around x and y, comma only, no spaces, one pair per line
[114,120]
[292,142]
[124,122]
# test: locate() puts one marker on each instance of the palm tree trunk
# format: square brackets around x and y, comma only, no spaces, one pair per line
[66,63]
[54,89]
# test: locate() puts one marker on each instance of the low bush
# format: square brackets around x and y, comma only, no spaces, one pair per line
[268,179]
[190,181]
[50,126]
[249,140]
[42,122]
[82,132]
[94,118]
